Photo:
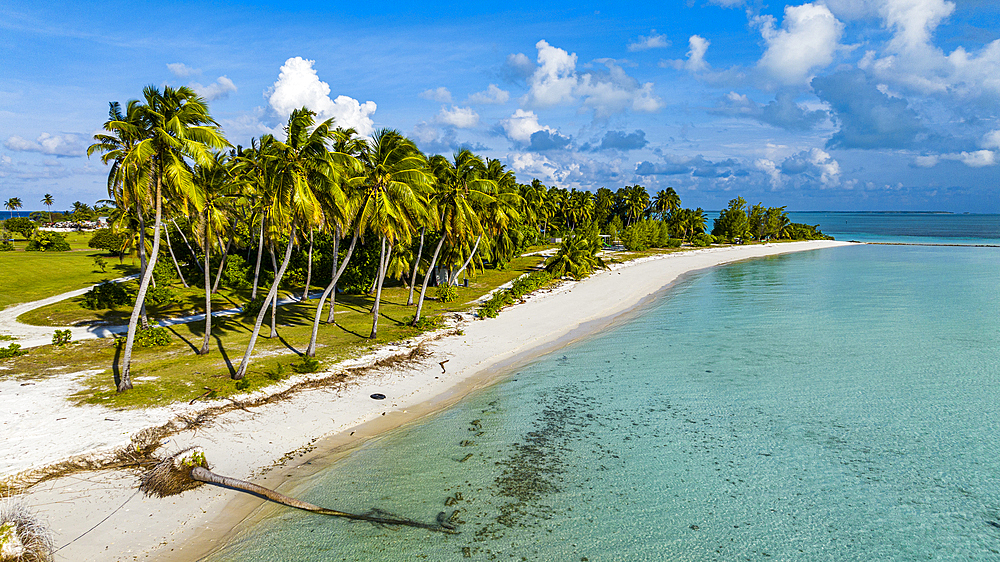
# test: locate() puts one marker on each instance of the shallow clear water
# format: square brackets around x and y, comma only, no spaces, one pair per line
[831,405]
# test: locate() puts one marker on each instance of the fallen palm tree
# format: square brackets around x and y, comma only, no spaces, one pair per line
[189,469]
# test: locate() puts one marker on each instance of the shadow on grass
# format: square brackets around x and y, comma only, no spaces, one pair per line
[115,368]
[225,356]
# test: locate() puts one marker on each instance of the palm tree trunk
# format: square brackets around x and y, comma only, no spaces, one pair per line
[256,269]
[311,351]
[454,279]
[177,266]
[274,301]
[125,383]
[186,243]
[336,255]
[208,292]
[416,264]
[143,265]
[309,268]
[423,289]
[383,265]
[222,264]
[272,295]
[381,255]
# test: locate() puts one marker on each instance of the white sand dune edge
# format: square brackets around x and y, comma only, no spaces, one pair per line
[283,434]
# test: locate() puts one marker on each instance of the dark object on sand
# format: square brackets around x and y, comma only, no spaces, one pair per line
[378,396]
[189,469]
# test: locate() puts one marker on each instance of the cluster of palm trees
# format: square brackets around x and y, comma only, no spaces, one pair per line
[169,162]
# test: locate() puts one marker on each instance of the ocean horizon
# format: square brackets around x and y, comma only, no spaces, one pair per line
[837,404]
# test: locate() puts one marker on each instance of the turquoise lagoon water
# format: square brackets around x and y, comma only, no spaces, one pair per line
[832,405]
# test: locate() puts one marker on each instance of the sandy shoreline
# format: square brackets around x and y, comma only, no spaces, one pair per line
[299,436]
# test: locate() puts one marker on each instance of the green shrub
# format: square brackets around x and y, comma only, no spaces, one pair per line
[308,365]
[252,307]
[702,240]
[159,295]
[446,293]
[61,337]
[425,322]
[45,241]
[106,295]
[6,246]
[235,274]
[153,336]
[12,350]
[163,270]
[105,239]
[674,242]
[20,225]
[101,264]
[505,297]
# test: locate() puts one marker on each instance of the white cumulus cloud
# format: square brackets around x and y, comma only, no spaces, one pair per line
[653,41]
[182,70]
[492,95]
[298,86]
[55,145]
[459,117]
[440,94]
[216,90]
[522,124]
[556,82]
[807,40]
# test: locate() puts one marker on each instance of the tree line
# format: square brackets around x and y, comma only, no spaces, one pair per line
[363,209]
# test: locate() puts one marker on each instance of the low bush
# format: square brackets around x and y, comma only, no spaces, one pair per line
[674,242]
[505,297]
[6,246]
[12,350]
[106,295]
[234,275]
[45,241]
[425,322]
[702,240]
[252,307]
[159,296]
[153,336]
[308,365]
[446,293]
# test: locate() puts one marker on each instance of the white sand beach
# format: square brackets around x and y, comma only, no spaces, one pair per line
[276,442]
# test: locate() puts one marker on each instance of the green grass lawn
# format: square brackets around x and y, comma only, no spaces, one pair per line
[174,373]
[29,276]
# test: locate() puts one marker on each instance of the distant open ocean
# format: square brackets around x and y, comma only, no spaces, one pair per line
[839,404]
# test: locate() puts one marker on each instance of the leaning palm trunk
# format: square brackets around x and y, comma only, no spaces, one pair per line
[423,289]
[143,266]
[256,269]
[454,279]
[125,383]
[309,268]
[416,265]
[177,266]
[336,254]
[208,292]
[271,296]
[381,256]
[274,302]
[186,243]
[383,265]
[222,264]
[311,351]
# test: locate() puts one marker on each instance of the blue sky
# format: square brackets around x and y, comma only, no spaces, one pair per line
[836,105]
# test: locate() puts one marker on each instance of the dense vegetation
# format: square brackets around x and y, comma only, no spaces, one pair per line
[323,207]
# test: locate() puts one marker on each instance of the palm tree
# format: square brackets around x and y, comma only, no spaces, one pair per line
[301,167]
[13,204]
[173,124]
[391,203]
[217,193]
[666,203]
[48,201]
[460,187]
[577,256]
[636,201]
